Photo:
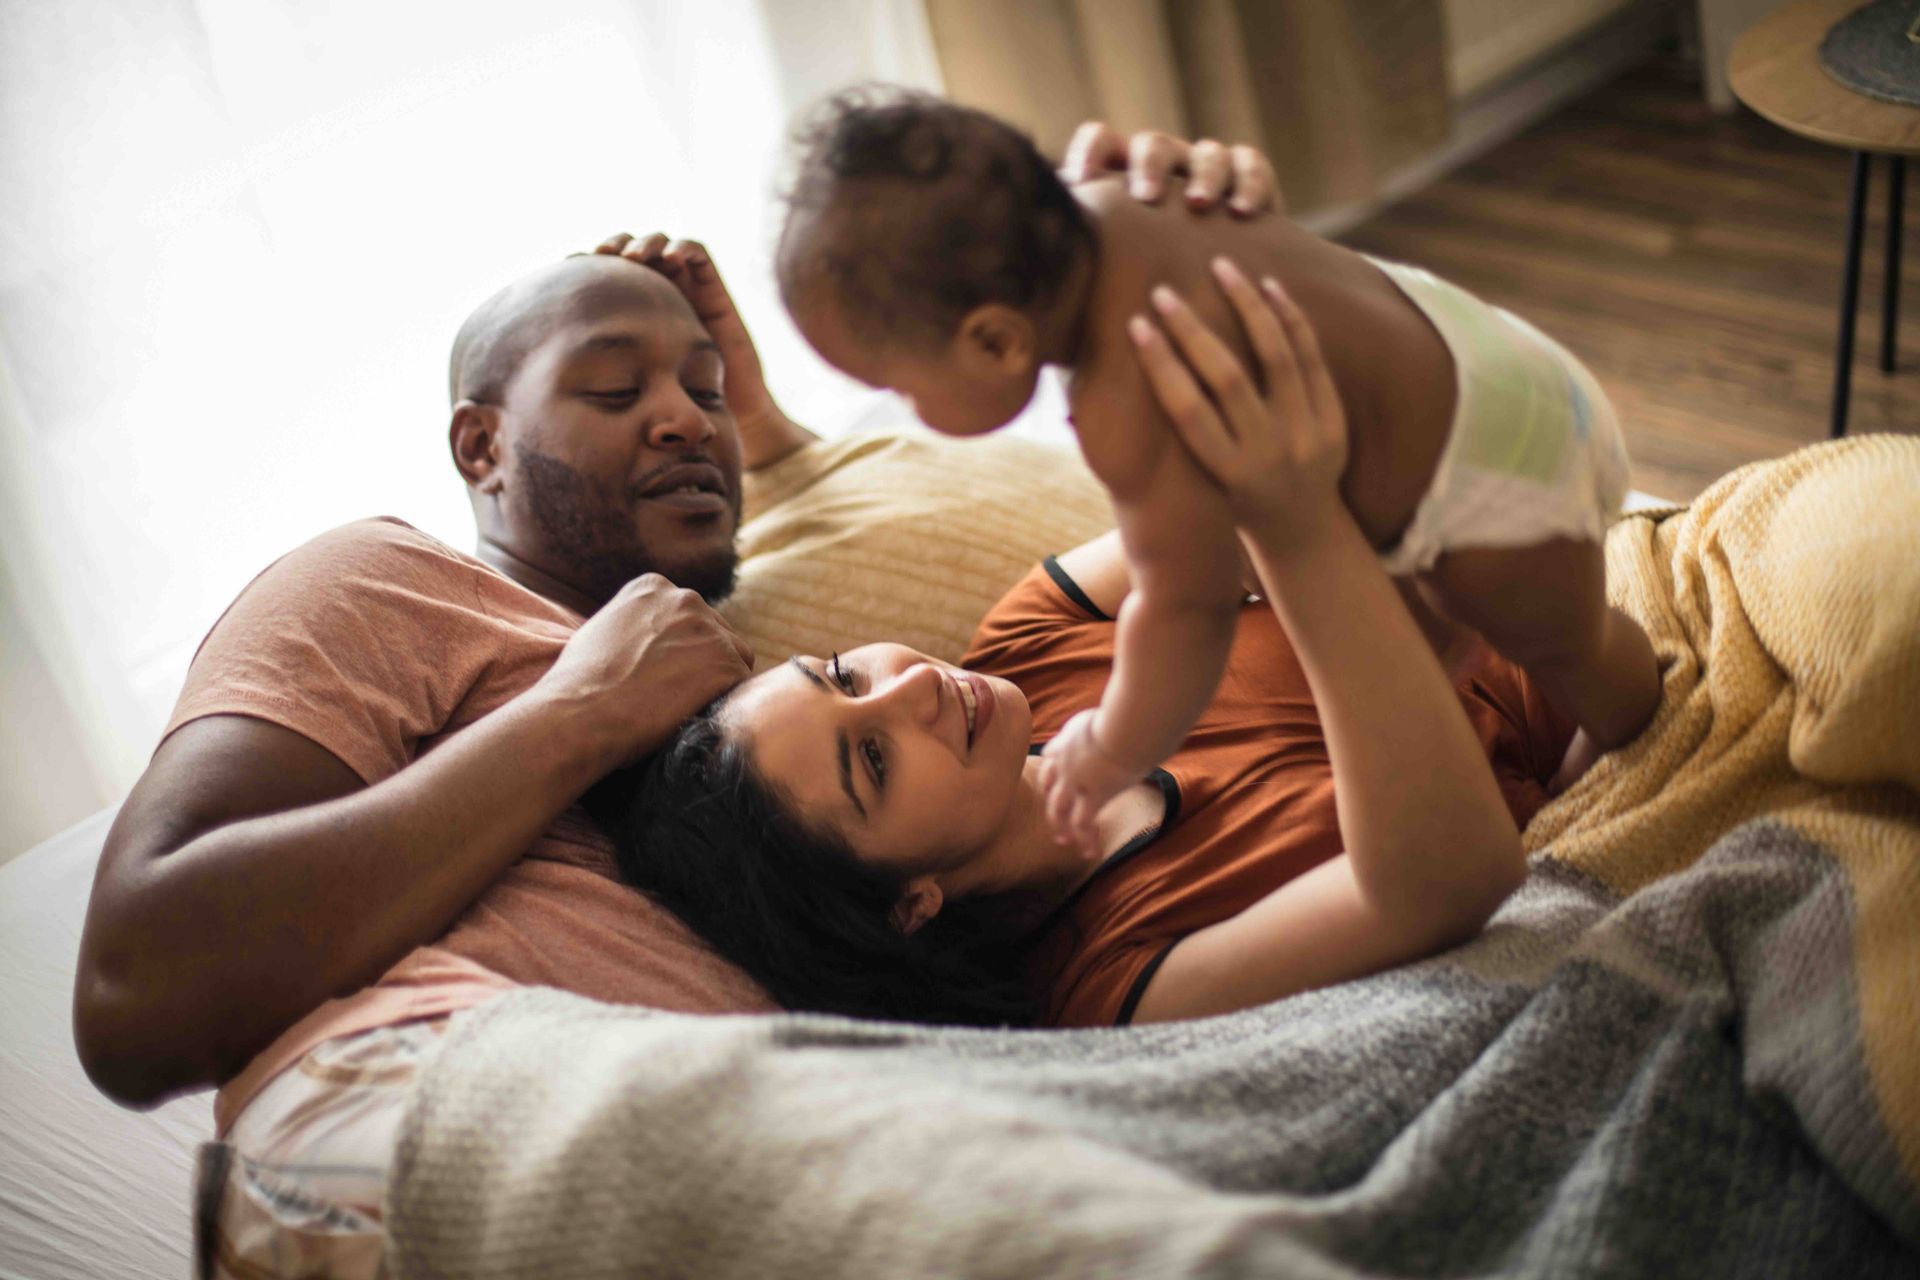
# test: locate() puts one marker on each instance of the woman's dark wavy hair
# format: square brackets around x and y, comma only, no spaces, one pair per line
[919,210]
[698,831]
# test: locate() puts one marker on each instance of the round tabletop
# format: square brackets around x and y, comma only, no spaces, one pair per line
[1775,69]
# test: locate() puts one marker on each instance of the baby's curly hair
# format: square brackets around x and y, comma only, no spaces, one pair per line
[914,211]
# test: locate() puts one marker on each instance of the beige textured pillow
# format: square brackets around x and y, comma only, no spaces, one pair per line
[903,536]
[1836,602]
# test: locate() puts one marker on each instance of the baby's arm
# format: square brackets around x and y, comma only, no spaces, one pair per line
[1175,625]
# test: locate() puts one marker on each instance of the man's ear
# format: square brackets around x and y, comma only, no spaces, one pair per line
[995,338]
[918,903]
[474,438]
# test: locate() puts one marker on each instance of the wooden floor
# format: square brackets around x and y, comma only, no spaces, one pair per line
[1692,260]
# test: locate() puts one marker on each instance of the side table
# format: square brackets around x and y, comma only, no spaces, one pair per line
[1775,69]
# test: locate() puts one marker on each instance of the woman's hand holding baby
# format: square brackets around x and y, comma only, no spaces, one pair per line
[1277,451]
[1238,176]
[1406,761]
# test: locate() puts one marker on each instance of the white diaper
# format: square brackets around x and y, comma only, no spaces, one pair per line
[1534,451]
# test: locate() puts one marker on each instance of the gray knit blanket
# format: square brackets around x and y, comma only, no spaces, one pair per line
[1595,1087]
[1688,1046]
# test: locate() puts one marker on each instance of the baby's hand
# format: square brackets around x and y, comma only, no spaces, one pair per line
[1080,778]
[1276,447]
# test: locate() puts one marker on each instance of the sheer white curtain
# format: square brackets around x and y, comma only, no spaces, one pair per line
[236,238]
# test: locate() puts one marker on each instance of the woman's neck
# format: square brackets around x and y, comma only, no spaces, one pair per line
[1051,872]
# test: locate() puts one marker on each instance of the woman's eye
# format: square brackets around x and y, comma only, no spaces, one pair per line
[841,676]
[707,399]
[616,396]
[877,761]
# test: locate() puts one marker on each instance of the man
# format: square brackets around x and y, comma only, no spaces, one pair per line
[380,729]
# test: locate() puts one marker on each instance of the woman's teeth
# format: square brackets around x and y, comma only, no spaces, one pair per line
[967,701]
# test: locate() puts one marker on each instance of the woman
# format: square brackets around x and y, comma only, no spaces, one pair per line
[865,833]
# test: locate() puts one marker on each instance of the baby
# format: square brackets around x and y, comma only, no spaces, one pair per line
[931,249]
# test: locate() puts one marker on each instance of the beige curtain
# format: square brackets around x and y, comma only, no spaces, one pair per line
[1338,94]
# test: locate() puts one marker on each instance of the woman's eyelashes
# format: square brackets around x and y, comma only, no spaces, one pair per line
[841,676]
[870,753]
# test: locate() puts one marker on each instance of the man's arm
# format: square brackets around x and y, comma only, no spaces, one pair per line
[251,875]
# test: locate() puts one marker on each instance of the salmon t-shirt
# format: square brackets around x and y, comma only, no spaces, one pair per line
[378,643]
[1249,794]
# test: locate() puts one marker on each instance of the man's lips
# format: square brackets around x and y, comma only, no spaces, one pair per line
[690,486]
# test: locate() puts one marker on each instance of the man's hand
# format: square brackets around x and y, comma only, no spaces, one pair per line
[1240,175]
[766,432]
[248,849]
[647,660]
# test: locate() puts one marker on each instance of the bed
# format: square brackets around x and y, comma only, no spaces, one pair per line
[87,1189]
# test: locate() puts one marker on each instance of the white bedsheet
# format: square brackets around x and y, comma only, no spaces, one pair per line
[87,1190]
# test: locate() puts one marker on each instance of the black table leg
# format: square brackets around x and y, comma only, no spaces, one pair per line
[1890,288]
[1849,296]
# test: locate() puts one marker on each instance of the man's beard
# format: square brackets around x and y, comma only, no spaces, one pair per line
[588,529]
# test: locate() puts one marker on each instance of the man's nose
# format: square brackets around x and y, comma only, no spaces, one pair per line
[679,426]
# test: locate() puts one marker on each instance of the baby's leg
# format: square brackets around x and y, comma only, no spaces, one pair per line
[1545,608]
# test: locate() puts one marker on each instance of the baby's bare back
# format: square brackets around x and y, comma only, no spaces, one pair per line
[1394,372]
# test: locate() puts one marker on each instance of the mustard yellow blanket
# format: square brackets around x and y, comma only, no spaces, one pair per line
[1785,604]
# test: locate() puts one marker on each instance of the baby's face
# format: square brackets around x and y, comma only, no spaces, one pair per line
[954,389]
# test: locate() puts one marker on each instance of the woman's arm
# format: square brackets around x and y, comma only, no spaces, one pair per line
[1431,850]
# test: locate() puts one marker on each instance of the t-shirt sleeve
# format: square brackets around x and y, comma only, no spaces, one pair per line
[1103,988]
[1523,735]
[365,640]
[1047,637]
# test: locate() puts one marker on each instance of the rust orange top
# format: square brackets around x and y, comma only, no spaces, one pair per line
[1250,793]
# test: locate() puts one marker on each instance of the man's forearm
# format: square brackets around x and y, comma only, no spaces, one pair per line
[261,920]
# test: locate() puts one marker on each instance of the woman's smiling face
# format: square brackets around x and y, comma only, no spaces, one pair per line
[913,764]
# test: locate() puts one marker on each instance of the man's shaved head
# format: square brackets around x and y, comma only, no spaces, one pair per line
[502,331]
